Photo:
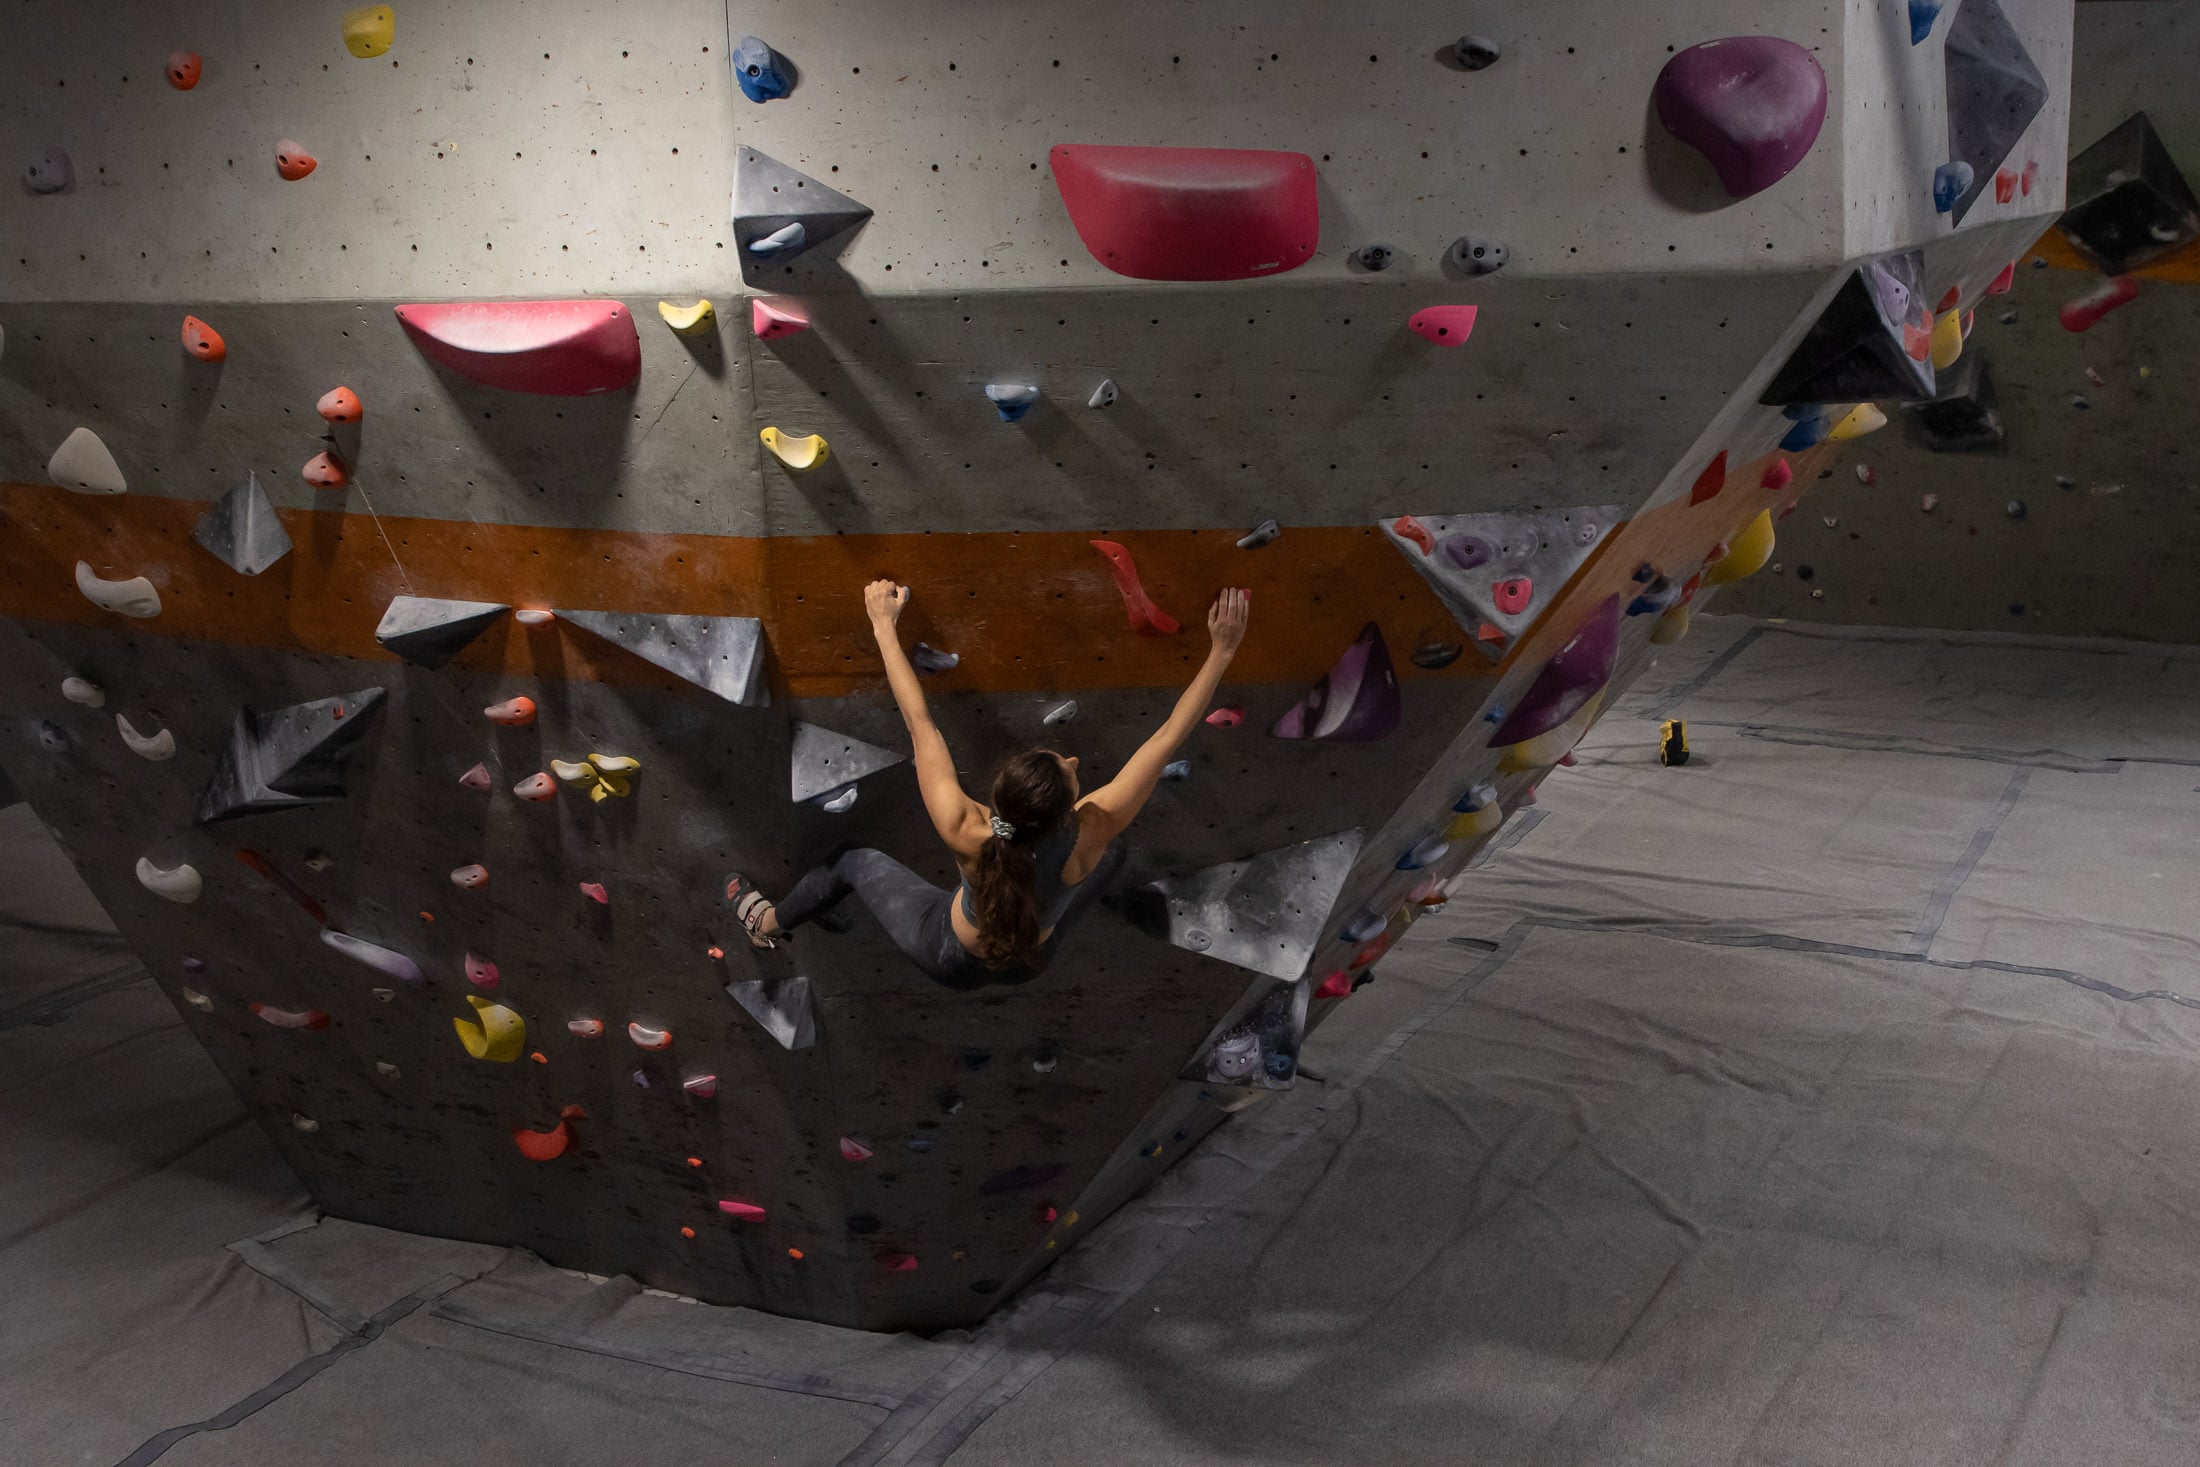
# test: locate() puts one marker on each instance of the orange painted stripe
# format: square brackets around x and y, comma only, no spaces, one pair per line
[2182,264]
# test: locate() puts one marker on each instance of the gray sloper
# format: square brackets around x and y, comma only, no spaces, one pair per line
[242,530]
[1266,913]
[290,757]
[1474,553]
[782,1006]
[719,654]
[1994,92]
[428,631]
[824,761]
[768,196]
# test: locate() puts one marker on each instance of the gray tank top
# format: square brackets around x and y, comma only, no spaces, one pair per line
[1046,877]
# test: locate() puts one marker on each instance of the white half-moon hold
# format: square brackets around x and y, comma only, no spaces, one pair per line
[385,1069]
[76,690]
[179,884]
[531,617]
[160,746]
[83,463]
[374,955]
[134,597]
[304,1122]
[198,1000]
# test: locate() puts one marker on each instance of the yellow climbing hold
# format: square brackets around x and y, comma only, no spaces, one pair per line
[615,763]
[806,452]
[1474,822]
[1745,555]
[1546,749]
[693,320]
[500,1036]
[1864,418]
[1947,340]
[368,32]
[1673,625]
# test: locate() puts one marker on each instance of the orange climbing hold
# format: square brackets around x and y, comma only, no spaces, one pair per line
[183,70]
[770,321]
[1406,527]
[340,405]
[551,1144]
[1710,481]
[512,712]
[1146,618]
[203,341]
[326,471]
[292,161]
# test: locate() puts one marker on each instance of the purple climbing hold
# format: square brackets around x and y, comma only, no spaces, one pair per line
[1574,675]
[1357,701]
[1752,105]
[1466,551]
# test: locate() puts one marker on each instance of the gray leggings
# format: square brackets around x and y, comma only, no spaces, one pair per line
[914,913]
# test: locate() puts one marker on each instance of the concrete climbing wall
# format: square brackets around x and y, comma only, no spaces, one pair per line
[930,1148]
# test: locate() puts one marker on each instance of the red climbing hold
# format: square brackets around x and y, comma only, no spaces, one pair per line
[1777,477]
[481,973]
[1512,596]
[853,1150]
[292,161]
[1406,527]
[512,712]
[1336,985]
[1444,325]
[1710,481]
[1948,301]
[2084,313]
[554,348]
[1190,213]
[741,1211]
[898,1262]
[183,70]
[340,405]
[594,891]
[203,341]
[1226,718]
[2005,282]
[770,322]
[290,1018]
[2005,185]
[1371,952]
[326,471]
[1146,618]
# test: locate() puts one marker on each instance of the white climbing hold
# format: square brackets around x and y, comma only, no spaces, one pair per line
[584,1028]
[842,803]
[160,746]
[379,958]
[1060,714]
[304,1122]
[1011,399]
[786,237]
[198,1000]
[179,883]
[76,690]
[385,1069]
[645,1037]
[134,597]
[82,463]
[1104,395]
[533,617]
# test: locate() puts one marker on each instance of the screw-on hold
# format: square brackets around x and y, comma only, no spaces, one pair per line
[1375,256]
[1474,52]
[1477,255]
[2014,509]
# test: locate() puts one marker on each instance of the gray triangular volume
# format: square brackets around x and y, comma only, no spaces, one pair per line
[720,654]
[429,631]
[242,530]
[782,1006]
[1994,92]
[292,756]
[1267,913]
[1497,572]
[823,761]
[768,196]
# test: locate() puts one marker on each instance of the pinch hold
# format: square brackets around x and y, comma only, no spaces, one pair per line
[340,405]
[203,341]
[325,471]
[292,161]
[184,68]
[512,712]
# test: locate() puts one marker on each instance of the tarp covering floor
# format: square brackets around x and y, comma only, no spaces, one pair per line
[1833,1099]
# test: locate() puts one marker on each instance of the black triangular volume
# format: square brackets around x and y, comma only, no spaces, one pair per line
[782,1006]
[768,196]
[242,530]
[1872,341]
[1994,92]
[2128,202]
[290,757]
[1965,417]
[428,631]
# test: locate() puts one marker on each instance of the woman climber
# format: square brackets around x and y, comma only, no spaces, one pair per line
[1031,864]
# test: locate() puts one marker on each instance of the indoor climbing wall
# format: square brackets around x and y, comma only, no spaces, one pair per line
[445,450]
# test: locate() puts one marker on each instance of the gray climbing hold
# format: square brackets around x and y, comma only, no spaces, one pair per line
[823,761]
[49,173]
[1264,533]
[2014,509]
[1060,714]
[1477,254]
[1375,256]
[1994,92]
[1011,399]
[293,756]
[242,530]
[768,197]
[931,659]
[782,1006]
[1104,395]
[1474,52]
[1266,913]
[429,631]
[719,654]
[1177,769]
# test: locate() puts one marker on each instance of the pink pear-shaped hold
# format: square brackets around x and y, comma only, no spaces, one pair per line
[1444,325]
[476,778]
[769,321]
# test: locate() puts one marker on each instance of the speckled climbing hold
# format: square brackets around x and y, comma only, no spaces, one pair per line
[1778,476]
[429,631]
[374,955]
[1475,254]
[340,405]
[1375,256]
[1011,399]
[82,693]
[928,658]
[470,878]
[804,452]
[292,161]
[1711,481]
[197,1000]
[512,712]
[1865,417]
[1947,341]
[325,471]
[496,1034]
[646,1037]
[82,463]
[242,530]
[1576,673]
[135,597]
[780,212]
[1146,618]
[2084,313]
[1475,52]
[179,883]
[1228,717]
[184,69]
[1443,325]
[476,778]
[762,73]
[1745,555]
[1356,701]
[369,31]
[741,1211]
[1922,15]
[158,748]
[1190,213]
[1951,181]
[49,173]
[289,1018]
[481,973]
[1752,105]
[853,1150]
[1264,533]
[1060,714]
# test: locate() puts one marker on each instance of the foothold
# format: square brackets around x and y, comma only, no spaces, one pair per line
[1947,341]
[1745,554]
[760,71]
[931,659]
[1104,395]
[898,1262]
[596,892]
[496,1034]
[470,878]
[1951,181]
[543,1145]
[304,1123]
[2085,313]
[853,1150]
[571,348]
[1872,342]
[289,1018]
[82,463]
[2129,204]
[536,787]
[49,173]
[1060,714]
[340,405]
[288,757]
[700,319]
[512,712]
[1264,533]
[1474,52]
[428,632]
[1576,673]
[198,1000]
[534,616]
[319,861]
[1444,325]
[804,452]
[1011,399]
[2014,509]
[325,471]
[1865,417]
[702,1087]
[1752,105]
[476,778]
[1778,476]
[1190,213]
[585,1028]
[1177,769]
[1229,717]
[203,341]
[841,803]
[1436,656]
[722,655]
[242,530]
[645,1037]
[1963,416]
[741,1211]
[369,31]
[1375,257]
[374,955]
[1356,701]
[1922,15]
[386,1070]
[1475,254]
[179,883]
[481,973]
[292,161]
[158,748]
[1673,742]
[1146,618]
[771,321]
[184,68]
[1993,89]
[1866,474]
[1710,481]
[779,213]
[135,597]
[82,693]
[1928,502]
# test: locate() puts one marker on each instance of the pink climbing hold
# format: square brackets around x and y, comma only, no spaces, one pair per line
[1752,105]
[2005,185]
[1406,527]
[1777,477]
[512,712]
[1512,596]
[340,405]
[741,1211]
[853,1150]
[770,322]
[551,348]
[1336,985]
[2026,179]
[326,471]
[594,891]
[2005,282]
[1576,673]
[2084,313]
[481,973]
[536,787]
[898,1262]
[470,878]
[1444,325]
[702,1087]
[1190,213]
[292,161]
[1226,717]
[476,778]
[1710,481]
[1147,619]
[290,1018]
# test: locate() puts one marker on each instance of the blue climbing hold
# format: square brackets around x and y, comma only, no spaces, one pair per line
[1951,181]
[1177,769]
[1806,432]
[1011,399]
[788,238]
[762,72]
[1922,15]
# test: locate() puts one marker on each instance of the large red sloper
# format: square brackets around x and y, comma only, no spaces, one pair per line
[551,348]
[1190,213]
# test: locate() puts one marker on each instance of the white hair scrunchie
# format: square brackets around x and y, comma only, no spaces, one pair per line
[1003,829]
